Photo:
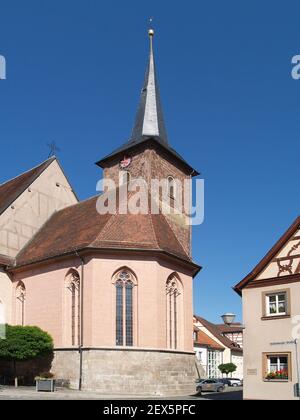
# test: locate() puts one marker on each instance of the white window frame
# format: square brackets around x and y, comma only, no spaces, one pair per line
[278,361]
[277,313]
[279,367]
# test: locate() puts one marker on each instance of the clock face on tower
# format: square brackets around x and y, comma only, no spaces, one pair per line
[125,162]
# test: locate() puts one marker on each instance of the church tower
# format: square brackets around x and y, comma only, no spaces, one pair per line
[119,285]
[148,154]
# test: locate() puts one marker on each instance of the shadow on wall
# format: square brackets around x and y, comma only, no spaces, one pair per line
[201,374]
[26,371]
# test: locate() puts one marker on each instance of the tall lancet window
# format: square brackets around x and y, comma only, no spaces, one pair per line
[171,187]
[173,306]
[20,303]
[125,283]
[72,309]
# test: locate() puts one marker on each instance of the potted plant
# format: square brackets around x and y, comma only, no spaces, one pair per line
[45,382]
[278,375]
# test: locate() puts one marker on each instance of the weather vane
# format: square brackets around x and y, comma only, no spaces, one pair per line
[53,149]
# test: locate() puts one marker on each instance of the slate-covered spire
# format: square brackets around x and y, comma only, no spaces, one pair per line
[149,123]
[149,120]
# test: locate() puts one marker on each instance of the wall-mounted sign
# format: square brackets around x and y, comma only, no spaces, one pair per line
[251,372]
[282,343]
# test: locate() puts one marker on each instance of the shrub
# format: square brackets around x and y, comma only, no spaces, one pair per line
[24,343]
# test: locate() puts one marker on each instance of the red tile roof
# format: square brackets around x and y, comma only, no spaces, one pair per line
[5,261]
[235,327]
[10,190]
[206,341]
[217,332]
[80,226]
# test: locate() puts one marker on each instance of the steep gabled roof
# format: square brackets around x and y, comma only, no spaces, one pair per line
[11,190]
[215,330]
[206,341]
[80,226]
[232,328]
[5,261]
[268,257]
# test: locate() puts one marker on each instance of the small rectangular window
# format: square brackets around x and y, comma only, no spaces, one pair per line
[277,367]
[276,304]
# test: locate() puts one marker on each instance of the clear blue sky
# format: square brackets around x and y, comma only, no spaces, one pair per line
[75,70]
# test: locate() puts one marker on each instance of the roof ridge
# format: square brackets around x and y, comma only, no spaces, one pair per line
[268,256]
[179,243]
[185,250]
[153,230]
[13,188]
[29,170]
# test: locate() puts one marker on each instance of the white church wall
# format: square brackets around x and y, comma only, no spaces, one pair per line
[48,193]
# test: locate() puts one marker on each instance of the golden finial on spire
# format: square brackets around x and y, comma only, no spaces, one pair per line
[151,31]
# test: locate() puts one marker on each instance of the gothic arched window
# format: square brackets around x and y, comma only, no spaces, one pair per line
[20,303]
[173,308]
[72,308]
[124,284]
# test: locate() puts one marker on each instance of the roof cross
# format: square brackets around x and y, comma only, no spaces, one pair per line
[53,149]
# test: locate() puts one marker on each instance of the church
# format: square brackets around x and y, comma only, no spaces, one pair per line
[115,291]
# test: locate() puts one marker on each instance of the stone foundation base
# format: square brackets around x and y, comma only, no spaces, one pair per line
[128,372]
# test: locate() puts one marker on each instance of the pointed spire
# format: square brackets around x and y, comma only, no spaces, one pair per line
[149,119]
[149,123]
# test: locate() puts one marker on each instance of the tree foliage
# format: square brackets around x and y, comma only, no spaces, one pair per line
[24,343]
[227,368]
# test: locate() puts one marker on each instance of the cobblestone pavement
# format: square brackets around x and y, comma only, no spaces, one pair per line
[29,393]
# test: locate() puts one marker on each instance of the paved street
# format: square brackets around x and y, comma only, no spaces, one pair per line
[29,393]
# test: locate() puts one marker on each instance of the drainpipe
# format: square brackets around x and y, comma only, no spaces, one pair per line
[80,347]
[297,365]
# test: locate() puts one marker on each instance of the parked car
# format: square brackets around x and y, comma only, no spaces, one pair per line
[206,385]
[235,382]
[225,381]
[231,381]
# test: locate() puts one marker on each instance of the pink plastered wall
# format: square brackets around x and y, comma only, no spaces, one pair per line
[45,302]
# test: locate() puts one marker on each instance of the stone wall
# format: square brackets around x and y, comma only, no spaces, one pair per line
[129,372]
